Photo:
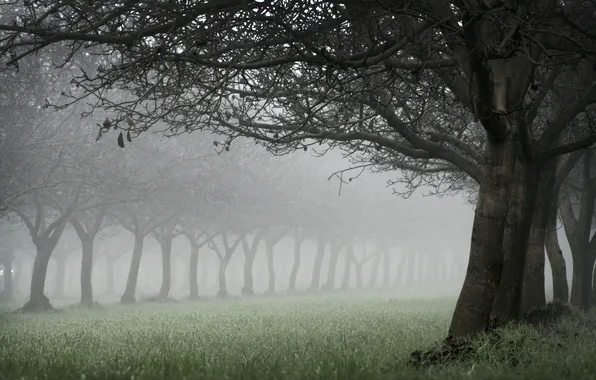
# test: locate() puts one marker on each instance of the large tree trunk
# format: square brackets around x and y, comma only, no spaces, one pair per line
[87,273]
[316,273]
[533,292]
[533,288]
[508,301]
[588,269]
[332,269]
[166,268]
[8,292]
[37,299]
[578,233]
[296,265]
[475,302]
[133,274]
[193,282]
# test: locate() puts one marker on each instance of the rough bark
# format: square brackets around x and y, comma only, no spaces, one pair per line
[316,273]
[296,264]
[166,267]
[508,301]
[129,295]
[475,302]
[533,288]
[533,292]
[578,231]
[588,271]
[87,273]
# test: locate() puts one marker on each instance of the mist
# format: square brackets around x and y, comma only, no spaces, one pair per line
[269,189]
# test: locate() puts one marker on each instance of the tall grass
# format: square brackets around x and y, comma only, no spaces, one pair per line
[332,337]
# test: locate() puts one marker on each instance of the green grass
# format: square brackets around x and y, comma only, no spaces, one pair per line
[332,337]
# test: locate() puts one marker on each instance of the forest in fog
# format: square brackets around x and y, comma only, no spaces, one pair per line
[297,189]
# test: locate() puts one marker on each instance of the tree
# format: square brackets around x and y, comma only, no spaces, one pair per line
[417,74]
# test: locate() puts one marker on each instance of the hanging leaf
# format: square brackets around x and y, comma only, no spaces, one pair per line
[128,136]
[107,124]
[99,134]
[215,143]
[121,140]
[130,122]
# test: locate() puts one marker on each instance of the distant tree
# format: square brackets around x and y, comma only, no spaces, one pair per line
[405,77]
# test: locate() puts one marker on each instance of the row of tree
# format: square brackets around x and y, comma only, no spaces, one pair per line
[480,95]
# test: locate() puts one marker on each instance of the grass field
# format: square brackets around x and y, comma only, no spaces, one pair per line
[331,337]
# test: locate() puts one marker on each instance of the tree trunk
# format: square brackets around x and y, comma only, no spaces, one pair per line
[270,267]
[588,269]
[475,302]
[37,300]
[296,264]
[166,268]
[316,273]
[533,288]
[594,286]
[249,260]
[508,301]
[193,283]
[87,273]
[133,274]
[374,273]
[332,269]
[223,289]
[533,291]
[8,292]
[556,259]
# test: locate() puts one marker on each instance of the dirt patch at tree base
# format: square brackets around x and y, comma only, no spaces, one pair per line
[37,306]
[453,351]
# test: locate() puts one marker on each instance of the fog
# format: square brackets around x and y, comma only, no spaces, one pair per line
[421,228]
